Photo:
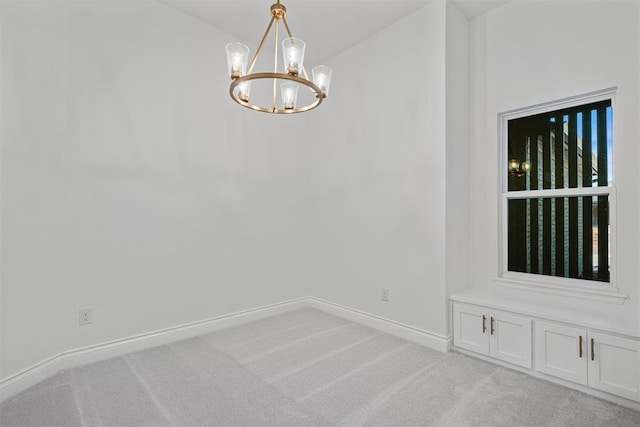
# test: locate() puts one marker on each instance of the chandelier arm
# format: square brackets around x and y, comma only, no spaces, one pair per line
[264,37]
[286,25]
[275,66]
[306,76]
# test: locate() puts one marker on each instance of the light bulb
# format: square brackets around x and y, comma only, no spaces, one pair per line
[237,58]
[289,92]
[293,55]
[321,75]
[243,91]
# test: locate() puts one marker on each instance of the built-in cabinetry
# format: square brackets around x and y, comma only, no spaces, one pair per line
[601,360]
[494,333]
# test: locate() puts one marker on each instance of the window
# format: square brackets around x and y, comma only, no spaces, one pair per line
[558,193]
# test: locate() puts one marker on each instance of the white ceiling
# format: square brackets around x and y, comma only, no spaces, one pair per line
[473,8]
[329,27]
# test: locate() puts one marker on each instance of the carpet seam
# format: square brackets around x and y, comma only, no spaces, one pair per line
[76,398]
[354,371]
[378,406]
[258,356]
[272,334]
[279,377]
[165,414]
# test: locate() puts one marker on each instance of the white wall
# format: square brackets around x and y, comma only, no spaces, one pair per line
[531,52]
[131,183]
[378,196]
[458,150]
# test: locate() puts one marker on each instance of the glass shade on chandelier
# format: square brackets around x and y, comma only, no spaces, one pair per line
[289,95]
[292,76]
[321,75]
[293,55]
[237,59]
[243,91]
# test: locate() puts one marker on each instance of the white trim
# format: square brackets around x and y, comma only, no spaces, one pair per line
[566,288]
[560,192]
[572,101]
[32,375]
[576,288]
[432,340]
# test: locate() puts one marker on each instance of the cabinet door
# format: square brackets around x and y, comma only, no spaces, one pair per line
[558,351]
[510,338]
[614,365]
[470,329]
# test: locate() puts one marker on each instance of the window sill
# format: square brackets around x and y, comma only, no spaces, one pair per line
[587,291]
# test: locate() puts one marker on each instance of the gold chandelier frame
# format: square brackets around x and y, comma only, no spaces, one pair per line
[278,13]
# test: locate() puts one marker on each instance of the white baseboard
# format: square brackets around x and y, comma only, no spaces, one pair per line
[32,375]
[28,377]
[441,343]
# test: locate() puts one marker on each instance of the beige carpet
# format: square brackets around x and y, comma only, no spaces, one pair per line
[303,368]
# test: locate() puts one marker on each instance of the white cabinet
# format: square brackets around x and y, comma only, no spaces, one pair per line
[601,361]
[561,351]
[494,333]
[470,328]
[614,365]
[551,341]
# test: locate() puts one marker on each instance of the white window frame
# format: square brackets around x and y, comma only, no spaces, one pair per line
[588,289]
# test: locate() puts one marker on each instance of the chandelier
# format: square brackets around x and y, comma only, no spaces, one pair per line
[293,77]
[516,167]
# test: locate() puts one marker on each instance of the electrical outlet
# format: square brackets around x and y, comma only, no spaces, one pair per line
[85,316]
[384,296]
